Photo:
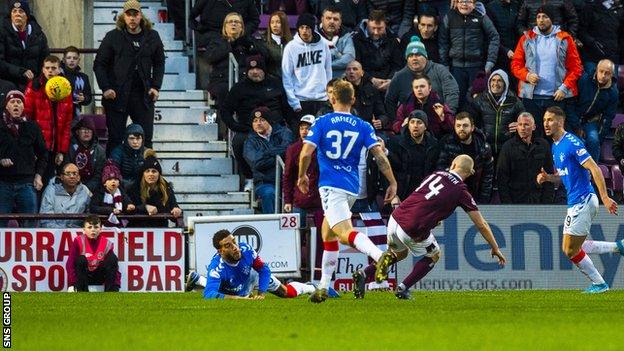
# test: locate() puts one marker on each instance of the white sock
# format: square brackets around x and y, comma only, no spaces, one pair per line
[365,245]
[202,281]
[586,266]
[329,264]
[599,247]
[302,288]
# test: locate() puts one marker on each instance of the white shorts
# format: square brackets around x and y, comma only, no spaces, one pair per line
[579,217]
[254,279]
[398,240]
[336,205]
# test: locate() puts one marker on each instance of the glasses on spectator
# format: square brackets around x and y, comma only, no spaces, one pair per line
[71,174]
[233,21]
[85,130]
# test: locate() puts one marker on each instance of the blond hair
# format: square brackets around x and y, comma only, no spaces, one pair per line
[227,17]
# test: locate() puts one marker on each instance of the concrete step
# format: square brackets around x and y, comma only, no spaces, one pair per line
[172,47]
[186,184]
[185,132]
[211,166]
[177,82]
[232,197]
[170,95]
[182,115]
[177,64]
[217,146]
[107,13]
[189,154]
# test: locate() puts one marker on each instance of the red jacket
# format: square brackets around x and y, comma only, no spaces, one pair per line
[56,131]
[292,194]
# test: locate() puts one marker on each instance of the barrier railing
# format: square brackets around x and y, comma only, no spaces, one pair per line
[279,171]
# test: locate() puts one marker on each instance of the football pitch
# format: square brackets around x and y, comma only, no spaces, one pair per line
[469,320]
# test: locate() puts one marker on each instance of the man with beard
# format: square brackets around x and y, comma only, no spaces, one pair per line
[368,103]
[339,41]
[413,153]
[470,141]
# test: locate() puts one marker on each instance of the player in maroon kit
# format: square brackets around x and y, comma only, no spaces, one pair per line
[410,225]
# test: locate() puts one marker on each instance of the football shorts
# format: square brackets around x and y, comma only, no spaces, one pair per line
[579,217]
[336,205]
[398,240]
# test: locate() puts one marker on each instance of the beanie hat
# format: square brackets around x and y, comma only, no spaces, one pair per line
[255,61]
[415,47]
[16,4]
[132,5]
[110,171]
[261,112]
[419,114]
[85,122]
[479,84]
[548,10]
[306,19]
[14,94]
[150,162]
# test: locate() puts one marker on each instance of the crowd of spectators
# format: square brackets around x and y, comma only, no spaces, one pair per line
[435,79]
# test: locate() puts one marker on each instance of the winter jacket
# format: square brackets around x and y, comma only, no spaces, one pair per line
[596,104]
[493,115]
[399,13]
[306,69]
[436,127]
[368,103]
[14,58]
[431,44]
[517,169]
[568,69]
[28,152]
[218,52]
[117,58]
[80,83]
[352,12]
[260,153]
[342,52]
[274,58]
[468,40]
[600,32]
[98,206]
[212,13]
[565,15]
[56,127]
[5,87]
[504,16]
[479,184]
[98,157]
[128,159]
[442,82]
[380,59]
[618,145]
[154,199]
[292,194]
[411,162]
[56,199]
[246,95]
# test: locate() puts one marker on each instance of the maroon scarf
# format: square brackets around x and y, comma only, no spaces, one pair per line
[12,123]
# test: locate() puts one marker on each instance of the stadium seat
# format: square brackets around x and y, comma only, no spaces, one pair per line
[606,173]
[606,154]
[617,120]
[264,22]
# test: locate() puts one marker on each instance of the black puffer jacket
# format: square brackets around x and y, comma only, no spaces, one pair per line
[154,199]
[14,58]
[493,118]
[565,15]
[28,152]
[600,32]
[411,162]
[129,160]
[260,153]
[517,169]
[479,184]
[381,59]
[368,103]
[213,12]
[399,13]
[504,15]
[467,41]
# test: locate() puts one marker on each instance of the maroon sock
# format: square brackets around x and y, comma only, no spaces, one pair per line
[421,268]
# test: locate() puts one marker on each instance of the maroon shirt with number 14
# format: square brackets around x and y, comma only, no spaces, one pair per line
[433,201]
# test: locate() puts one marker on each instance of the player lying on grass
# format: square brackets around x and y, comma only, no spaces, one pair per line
[410,225]
[236,269]
[574,166]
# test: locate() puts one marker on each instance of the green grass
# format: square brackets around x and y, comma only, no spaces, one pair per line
[484,320]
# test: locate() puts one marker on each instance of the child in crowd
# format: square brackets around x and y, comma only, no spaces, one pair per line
[109,198]
[81,86]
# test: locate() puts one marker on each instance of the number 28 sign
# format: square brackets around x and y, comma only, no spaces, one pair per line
[289,221]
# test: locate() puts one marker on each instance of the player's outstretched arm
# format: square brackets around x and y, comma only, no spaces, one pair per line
[543,177]
[384,167]
[486,233]
[304,163]
[593,168]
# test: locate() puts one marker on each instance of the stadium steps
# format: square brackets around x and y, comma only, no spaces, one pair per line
[192,159]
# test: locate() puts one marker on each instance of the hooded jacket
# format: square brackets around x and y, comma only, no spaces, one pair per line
[15,59]
[260,153]
[306,67]
[56,199]
[493,115]
[28,152]
[380,59]
[596,104]
[80,83]
[97,154]
[436,127]
[116,60]
[129,160]
[480,184]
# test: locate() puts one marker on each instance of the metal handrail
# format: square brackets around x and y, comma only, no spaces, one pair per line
[279,170]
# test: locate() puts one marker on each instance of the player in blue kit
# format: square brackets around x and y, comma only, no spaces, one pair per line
[339,138]
[236,269]
[574,166]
